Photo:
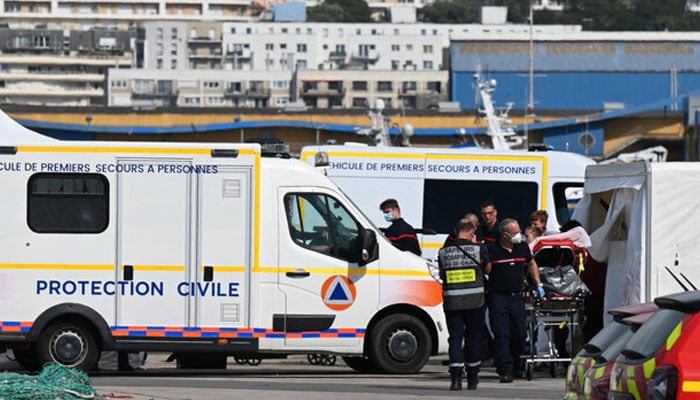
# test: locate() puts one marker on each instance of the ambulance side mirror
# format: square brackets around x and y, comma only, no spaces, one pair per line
[369,251]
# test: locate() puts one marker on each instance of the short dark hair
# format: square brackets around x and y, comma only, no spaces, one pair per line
[463,226]
[389,203]
[488,203]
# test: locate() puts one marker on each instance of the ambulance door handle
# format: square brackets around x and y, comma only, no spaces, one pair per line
[298,273]
[208,273]
[128,272]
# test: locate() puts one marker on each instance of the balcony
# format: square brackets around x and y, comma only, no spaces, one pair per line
[258,92]
[365,56]
[203,39]
[239,54]
[337,56]
[322,92]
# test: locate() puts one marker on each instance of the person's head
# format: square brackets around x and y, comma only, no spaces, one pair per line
[473,218]
[465,230]
[510,232]
[569,225]
[538,219]
[489,213]
[390,209]
[531,233]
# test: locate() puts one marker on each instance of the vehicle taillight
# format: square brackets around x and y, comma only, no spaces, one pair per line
[663,384]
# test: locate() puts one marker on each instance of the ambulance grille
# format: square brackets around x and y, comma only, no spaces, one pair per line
[230,312]
[231,188]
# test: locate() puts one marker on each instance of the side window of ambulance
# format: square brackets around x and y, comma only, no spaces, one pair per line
[566,196]
[320,223]
[446,201]
[67,203]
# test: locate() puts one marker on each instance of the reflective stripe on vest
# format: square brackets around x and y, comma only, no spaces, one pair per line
[463,284]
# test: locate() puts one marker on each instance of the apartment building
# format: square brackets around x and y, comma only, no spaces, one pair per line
[153,88]
[47,67]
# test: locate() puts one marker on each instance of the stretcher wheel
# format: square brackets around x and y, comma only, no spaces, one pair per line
[254,361]
[321,359]
[528,371]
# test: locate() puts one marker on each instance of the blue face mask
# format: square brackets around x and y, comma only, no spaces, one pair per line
[388,217]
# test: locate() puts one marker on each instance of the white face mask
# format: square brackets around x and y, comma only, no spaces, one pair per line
[517,238]
[389,217]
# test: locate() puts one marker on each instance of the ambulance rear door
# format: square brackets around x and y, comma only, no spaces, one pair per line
[153,241]
[221,281]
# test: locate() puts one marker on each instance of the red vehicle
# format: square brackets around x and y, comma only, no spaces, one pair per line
[668,346]
[678,375]
[591,352]
[596,380]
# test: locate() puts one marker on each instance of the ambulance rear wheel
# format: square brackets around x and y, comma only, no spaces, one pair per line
[68,343]
[400,344]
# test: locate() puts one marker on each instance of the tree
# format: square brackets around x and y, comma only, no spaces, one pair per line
[340,11]
[450,12]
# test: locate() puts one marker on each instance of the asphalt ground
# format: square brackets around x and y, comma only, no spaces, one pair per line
[295,378]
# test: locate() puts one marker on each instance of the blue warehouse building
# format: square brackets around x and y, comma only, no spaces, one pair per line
[595,76]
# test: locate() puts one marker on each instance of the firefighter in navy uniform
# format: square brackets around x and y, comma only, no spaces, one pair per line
[400,233]
[510,260]
[462,264]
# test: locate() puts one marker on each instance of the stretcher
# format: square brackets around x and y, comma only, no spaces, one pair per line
[564,296]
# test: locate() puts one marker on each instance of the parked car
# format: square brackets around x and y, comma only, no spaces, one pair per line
[678,376]
[596,379]
[589,353]
[667,346]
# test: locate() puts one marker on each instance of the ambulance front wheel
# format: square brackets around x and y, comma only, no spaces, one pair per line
[400,344]
[68,343]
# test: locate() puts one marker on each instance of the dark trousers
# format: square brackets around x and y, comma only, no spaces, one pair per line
[509,326]
[467,331]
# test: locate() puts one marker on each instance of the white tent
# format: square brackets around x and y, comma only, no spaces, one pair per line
[643,220]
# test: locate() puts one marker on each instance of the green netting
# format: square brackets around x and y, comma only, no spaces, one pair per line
[55,382]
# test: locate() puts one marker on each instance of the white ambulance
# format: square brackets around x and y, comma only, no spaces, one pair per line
[200,249]
[435,187]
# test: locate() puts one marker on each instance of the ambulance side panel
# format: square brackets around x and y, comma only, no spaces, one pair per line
[436,187]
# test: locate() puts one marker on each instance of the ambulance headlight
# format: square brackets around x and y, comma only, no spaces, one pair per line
[663,383]
[434,269]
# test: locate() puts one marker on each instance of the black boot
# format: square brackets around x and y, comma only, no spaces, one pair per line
[456,378]
[472,381]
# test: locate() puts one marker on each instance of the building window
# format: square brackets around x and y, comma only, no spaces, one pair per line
[269,46]
[283,46]
[409,86]
[409,47]
[395,64]
[173,34]
[301,64]
[67,203]
[173,64]
[193,100]
[280,84]
[159,34]
[428,49]
[359,85]
[359,102]
[159,63]
[301,47]
[211,84]
[434,86]
[384,86]
[427,64]
[395,47]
